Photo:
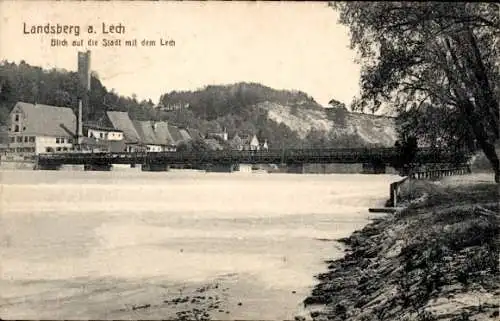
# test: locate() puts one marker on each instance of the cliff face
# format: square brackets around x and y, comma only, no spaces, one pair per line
[302,119]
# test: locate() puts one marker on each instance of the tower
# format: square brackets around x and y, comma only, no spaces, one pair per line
[83,90]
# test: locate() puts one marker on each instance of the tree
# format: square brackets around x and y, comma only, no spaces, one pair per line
[337,104]
[442,54]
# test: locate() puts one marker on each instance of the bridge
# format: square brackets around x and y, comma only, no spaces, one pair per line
[377,157]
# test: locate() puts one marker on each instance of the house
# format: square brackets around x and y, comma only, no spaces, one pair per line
[249,142]
[264,146]
[155,136]
[101,132]
[163,133]
[122,122]
[147,135]
[37,128]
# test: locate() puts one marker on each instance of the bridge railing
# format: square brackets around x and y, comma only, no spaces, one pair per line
[337,155]
[230,155]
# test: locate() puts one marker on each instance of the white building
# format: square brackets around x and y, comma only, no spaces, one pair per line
[102,133]
[36,128]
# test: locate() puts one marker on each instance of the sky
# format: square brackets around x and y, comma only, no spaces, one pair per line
[296,45]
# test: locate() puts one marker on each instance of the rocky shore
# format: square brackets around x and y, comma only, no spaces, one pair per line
[437,259]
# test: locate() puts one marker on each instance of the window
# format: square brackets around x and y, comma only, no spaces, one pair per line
[26,139]
[70,141]
[62,140]
[17,117]
[16,128]
[12,139]
[57,140]
[32,139]
[101,135]
[58,149]
[19,139]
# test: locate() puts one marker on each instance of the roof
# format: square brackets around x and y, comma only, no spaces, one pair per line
[185,135]
[154,133]
[45,120]
[194,133]
[176,134]
[247,139]
[145,131]
[121,121]
[163,133]
[103,128]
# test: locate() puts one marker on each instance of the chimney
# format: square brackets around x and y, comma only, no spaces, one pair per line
[79,123]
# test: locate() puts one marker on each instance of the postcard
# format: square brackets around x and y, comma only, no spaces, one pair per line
[248,160]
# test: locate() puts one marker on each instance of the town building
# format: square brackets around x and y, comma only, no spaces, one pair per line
[173,106]
[249,142]
[155,136]
[37,128]
[102,133]
[98,138]
[122,122]
[264,146]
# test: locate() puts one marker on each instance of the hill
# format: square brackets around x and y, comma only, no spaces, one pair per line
[284,118]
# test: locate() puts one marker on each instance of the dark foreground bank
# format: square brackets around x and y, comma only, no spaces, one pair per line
[435,260]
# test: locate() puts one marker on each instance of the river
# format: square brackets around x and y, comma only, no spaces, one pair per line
[89,245]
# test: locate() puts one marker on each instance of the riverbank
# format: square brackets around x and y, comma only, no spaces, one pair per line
[435,260]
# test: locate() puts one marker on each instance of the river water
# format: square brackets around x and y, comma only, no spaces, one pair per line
[80,245]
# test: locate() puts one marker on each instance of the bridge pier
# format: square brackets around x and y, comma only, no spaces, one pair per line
[244,168]
[222,168]
[295,168]
[374,168]
[98,167]
[155,167]
[47,167]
